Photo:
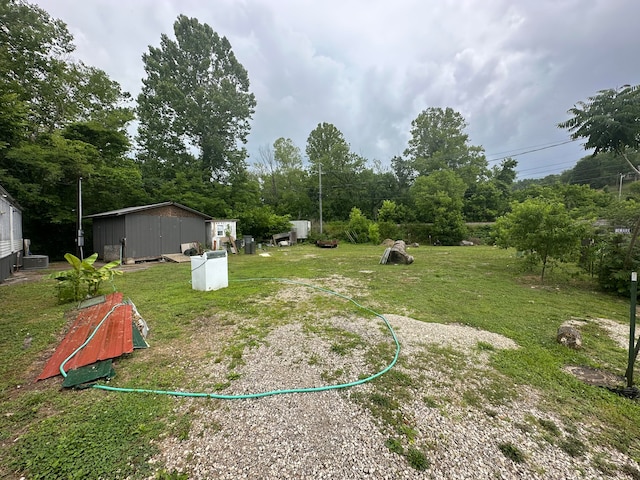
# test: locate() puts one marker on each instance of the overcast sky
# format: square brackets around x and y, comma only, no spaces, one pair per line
[511,68]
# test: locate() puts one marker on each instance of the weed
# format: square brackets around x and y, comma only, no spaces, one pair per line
[417,459]
[549,426]
[430,402]
[631,471]
[330,377]
[394,445]
[573,446]
[485,346]
[314,359]
[512,452]
[173,475]
[600,462]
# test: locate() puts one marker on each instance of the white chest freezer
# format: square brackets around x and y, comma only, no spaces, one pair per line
[209,271]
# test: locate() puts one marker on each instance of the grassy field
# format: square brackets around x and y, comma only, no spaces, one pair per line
[47,432]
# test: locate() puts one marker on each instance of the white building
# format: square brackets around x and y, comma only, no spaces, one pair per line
[11,242]
[218,229]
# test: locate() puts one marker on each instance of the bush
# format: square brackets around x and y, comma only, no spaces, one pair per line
[84,279]
[358,228]
[374,234]
[609,255]
[389,230]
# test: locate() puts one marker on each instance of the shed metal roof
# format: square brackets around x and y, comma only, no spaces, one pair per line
[142,208]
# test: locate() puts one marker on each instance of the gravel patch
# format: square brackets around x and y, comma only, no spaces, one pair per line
[333,435]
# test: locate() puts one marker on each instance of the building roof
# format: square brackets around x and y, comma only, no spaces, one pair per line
[128,210]
[4,194]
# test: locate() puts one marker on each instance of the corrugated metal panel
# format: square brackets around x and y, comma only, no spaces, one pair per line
[113,339]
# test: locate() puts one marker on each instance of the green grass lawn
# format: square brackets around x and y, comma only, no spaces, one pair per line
[47,432]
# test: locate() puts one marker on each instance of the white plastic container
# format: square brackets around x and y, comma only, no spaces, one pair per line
[209,271]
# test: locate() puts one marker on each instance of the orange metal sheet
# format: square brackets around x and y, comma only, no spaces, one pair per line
[112,339]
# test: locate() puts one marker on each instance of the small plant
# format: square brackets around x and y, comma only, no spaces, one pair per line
[485,346]
[84,279]
[549,426]
[512,452]
[164,475]
[417,459]
[573,447]
[394,445]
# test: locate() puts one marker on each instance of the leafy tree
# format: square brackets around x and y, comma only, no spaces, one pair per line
[442,189]
[438,199]
[438,142]
[195,106]
[287,154]
[542,229]
[388,211]
[609,121]
[261,222]
[284,182]
[59,121]
[328,153]
[601,170]
[34,65]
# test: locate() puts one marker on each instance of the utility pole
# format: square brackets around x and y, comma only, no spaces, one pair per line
[80,233]
[620,189]
[320,193]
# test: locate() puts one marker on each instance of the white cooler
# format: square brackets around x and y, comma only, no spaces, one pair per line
[209,271]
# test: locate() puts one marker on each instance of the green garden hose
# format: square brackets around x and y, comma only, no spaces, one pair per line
[259,394]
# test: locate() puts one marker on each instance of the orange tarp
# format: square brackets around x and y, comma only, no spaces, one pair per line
[113,338]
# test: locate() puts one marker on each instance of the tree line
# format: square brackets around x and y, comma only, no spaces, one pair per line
[61,120]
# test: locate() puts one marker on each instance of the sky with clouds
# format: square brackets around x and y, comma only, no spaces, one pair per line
[512,68]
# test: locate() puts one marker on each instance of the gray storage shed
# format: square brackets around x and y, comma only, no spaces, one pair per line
[146,232]
[10,235]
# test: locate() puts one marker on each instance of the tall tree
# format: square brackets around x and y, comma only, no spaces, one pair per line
[34,65]
[59,121]
[329,152]
[195,105]
[438,142]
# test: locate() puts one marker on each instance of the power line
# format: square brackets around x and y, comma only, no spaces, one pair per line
[531,151]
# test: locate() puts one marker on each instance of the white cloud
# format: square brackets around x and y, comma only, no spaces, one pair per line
[512,69]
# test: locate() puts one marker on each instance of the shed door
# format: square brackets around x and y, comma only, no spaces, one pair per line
[170,234]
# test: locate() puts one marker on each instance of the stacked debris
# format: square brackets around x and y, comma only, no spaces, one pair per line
[396,254]
[105,328]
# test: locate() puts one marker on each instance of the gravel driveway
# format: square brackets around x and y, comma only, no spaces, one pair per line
[458,415]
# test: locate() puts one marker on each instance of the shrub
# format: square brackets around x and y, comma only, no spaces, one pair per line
[84,279]
[374,233]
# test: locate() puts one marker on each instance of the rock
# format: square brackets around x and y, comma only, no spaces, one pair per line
[569,337]
[466,243]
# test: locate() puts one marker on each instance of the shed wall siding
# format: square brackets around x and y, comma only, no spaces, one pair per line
[107,231]
[154,235]
[149,232]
